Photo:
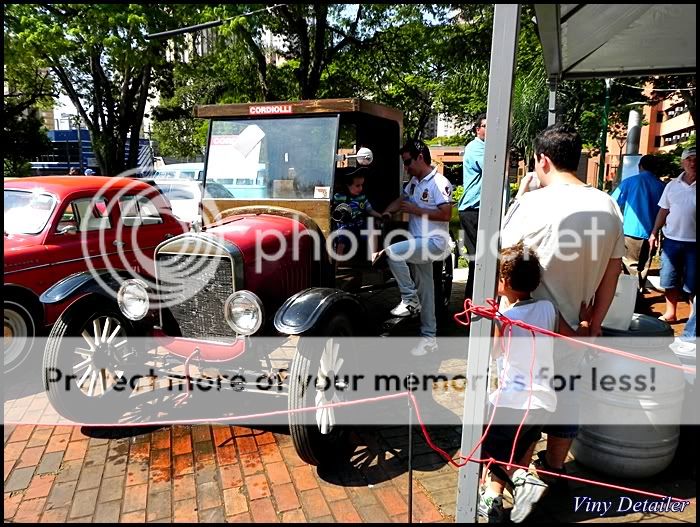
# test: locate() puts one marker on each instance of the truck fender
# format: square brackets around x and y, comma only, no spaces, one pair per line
[303,311]
[82,283]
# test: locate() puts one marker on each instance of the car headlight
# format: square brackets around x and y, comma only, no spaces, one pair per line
[243,312]
[133,299]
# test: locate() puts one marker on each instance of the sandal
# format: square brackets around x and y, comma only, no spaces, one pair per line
[669,320]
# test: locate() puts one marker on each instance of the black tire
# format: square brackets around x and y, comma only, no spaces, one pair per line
[20,328]
[316,438]
[442,281]
[90,385]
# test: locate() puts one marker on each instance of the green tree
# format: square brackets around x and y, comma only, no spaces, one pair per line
[23,138]
[99,55]
[28,88]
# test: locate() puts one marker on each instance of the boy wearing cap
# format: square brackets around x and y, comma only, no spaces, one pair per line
[676,219]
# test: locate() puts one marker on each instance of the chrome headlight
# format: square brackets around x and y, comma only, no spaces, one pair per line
[133,299]
[243,311]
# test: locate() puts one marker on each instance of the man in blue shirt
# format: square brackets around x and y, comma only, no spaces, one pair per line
[638,197]
[468,206]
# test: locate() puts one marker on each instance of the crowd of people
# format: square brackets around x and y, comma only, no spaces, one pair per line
[535,275]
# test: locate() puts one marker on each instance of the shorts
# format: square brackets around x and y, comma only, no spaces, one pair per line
[678,263]
[567,363]
[353,236]
[498,443]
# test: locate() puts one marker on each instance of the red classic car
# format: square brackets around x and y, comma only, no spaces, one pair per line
[60,226]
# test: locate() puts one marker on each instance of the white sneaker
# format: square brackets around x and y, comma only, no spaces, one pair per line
[425,346]
[527,490]
[491,508]
[406,309]
[682,347]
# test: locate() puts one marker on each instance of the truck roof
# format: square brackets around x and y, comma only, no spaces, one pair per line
[317,106]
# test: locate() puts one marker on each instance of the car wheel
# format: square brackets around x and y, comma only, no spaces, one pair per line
[87,360]
[317,436]
[20,330]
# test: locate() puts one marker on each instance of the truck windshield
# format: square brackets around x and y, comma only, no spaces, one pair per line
[288,158]
[27,212]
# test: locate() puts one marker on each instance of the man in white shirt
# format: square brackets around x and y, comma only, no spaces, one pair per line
[576,232]
[426,199]
[676,219]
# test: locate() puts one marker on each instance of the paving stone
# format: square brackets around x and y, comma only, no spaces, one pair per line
[205,475]
[29,511]
[159,506]
[50,462]
[184,487]
[40,487]
[257,486]
[185,511]
[235,502]
[135,497]
[69,471]
[61,494]
[107,512]
[285,497]
[111,489]
[19,479]
[208,495]
[314,504]
[84,503]
[215,515]
[55,515]
[263,511]
[345,512]
[374,514]
[90,477]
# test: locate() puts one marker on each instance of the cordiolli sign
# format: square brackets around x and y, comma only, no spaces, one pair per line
[271,109]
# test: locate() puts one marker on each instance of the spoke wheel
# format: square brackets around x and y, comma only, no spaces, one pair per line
[85,365]
[316,379]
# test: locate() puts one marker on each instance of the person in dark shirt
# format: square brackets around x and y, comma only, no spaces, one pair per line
[350,210]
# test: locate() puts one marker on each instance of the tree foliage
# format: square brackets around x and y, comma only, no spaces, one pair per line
[100,57]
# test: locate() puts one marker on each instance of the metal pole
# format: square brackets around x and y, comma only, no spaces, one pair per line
[604,135]
[552,110]
[500,95]
[409,387]
[68,153]
[80,144]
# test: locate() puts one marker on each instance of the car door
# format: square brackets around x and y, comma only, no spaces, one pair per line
[81,238]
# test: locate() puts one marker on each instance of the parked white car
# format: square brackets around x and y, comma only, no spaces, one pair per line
[189,171]
[185,195]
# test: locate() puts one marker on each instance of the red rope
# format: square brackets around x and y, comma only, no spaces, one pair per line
[491,460]
[493,314]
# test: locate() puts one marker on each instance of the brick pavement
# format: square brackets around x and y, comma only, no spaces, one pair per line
[192,473]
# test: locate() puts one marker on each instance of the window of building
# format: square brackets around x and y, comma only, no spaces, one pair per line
[659,117]
[657,141]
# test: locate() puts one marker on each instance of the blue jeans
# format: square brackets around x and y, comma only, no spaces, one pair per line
[689,330]
[420,253]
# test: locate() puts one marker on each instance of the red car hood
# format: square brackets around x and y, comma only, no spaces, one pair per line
[247,231]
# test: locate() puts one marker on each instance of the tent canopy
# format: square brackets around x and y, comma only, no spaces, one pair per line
[616,40]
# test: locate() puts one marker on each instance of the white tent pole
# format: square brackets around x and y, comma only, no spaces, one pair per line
[552,110]
[506,23]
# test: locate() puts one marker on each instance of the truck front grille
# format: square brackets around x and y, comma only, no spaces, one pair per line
[200,312]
